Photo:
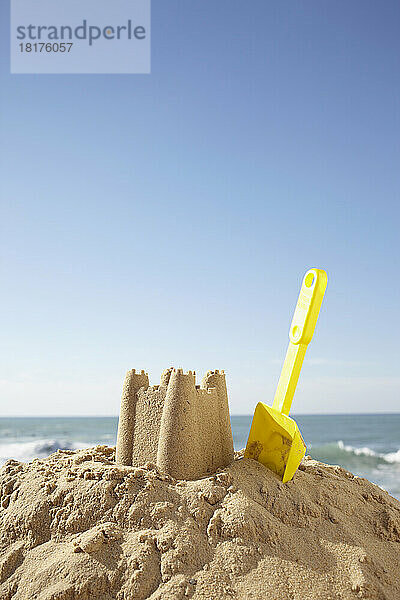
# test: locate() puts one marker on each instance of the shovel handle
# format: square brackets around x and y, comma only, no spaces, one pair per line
[300,334]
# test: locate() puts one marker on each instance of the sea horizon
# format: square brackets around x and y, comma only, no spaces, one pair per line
[367,444]
[292,415]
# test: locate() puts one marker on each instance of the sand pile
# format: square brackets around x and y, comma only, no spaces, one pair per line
[77,527]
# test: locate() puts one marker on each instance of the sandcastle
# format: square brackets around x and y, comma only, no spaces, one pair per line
[182,427]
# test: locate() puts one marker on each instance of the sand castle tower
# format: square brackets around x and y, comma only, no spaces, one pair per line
[183,428]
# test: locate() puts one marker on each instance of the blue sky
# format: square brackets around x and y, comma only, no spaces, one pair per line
[167,219]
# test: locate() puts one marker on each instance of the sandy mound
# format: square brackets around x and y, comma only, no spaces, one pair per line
[76,527]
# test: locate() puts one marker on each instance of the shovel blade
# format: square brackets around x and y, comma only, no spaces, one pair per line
[275,441]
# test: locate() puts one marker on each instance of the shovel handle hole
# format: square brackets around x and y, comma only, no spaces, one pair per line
[295,331]
[309,280]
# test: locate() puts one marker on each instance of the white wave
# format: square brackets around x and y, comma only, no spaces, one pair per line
[393,457]
[27,451]
[390,457]
[365,451]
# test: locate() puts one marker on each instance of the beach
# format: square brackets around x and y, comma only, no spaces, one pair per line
[76,526]
[210,186]
[366,445]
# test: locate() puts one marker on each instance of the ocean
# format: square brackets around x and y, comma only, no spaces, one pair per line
[366,445]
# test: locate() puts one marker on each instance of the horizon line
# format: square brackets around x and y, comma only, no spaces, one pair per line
[307,414]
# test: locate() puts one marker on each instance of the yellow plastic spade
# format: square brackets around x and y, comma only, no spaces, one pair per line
[274,438]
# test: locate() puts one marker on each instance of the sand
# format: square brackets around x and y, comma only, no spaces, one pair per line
[77,527]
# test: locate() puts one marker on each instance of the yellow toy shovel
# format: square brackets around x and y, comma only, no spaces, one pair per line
[274,438]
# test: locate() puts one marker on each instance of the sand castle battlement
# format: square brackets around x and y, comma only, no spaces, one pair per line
[182,427]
